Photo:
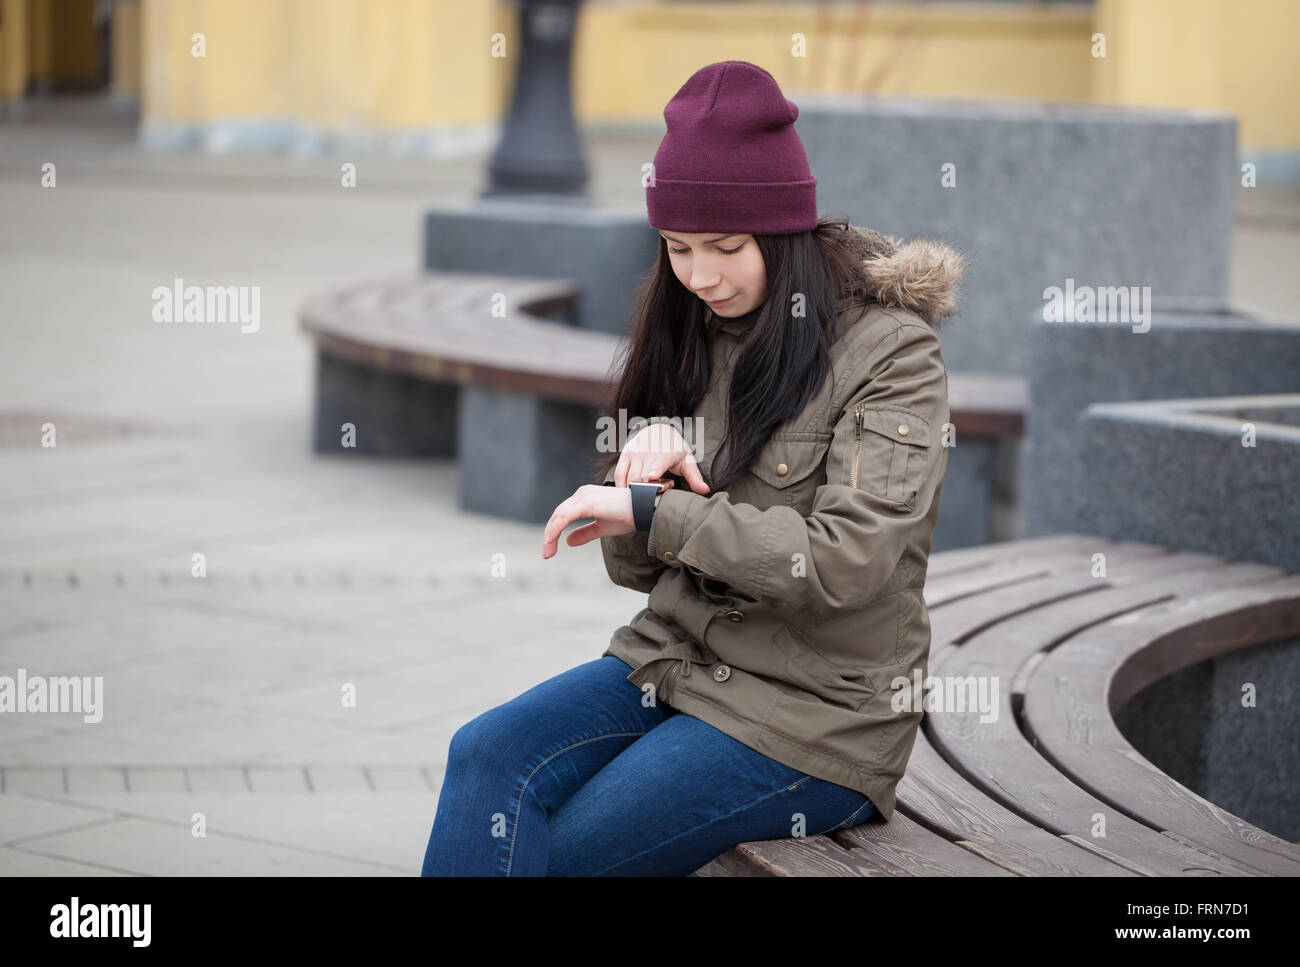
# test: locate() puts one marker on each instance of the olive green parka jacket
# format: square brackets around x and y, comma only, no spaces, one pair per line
[781,610]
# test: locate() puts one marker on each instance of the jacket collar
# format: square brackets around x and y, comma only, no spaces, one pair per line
[733,326]
[736,327]
[919,275]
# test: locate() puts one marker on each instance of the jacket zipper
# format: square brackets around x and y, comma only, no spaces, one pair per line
[672,673]
[857,449]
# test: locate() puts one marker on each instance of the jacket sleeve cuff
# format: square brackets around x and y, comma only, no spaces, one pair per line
[678,514]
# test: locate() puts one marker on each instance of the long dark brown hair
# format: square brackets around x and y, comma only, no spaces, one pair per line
[784,360]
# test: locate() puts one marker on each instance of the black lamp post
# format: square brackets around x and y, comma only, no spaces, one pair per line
[539,151]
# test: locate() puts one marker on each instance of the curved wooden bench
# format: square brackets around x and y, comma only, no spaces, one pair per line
[1071,693]
[439,326]
[998,791]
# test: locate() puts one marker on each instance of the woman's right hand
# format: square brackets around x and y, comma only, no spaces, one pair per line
[655,450]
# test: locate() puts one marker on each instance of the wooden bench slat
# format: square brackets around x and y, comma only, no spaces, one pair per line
[936,795]
[944,563]
[1073,692]
[1068,577]
[1002,762]
[440,327]
[1026,567]
[988,405]
[1020,640]
[910,849]
[804,856]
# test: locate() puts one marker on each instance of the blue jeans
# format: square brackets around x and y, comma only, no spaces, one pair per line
[576,777]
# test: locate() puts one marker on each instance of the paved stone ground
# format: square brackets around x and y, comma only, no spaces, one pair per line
[223,694]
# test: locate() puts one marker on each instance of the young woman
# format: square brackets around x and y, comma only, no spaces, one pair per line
[778,509]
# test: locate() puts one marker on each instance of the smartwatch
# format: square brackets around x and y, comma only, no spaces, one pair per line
[643,503]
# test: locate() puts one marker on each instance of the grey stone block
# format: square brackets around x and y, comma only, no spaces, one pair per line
[520,456]
[394,414]
[605,251]
[1182,355]
[1044,192]
[965,506]
[1177,473]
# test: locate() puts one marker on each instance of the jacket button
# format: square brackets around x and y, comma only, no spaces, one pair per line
[782,469]
[668,555]
[721,673]
[736,615]
[902,429]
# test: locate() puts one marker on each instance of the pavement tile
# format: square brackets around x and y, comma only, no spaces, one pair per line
[92,779]
[206,736]
[18,862]
[217,780]
[23,816]
[399,779]
[327,780]
[277,780]
[168,849]
[155,780]
[34,779]
[389,829]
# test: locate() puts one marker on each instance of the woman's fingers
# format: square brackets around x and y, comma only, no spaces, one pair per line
[583,534]
[689,469]
[647,461]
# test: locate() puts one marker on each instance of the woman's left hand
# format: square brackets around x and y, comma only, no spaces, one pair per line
[610,506]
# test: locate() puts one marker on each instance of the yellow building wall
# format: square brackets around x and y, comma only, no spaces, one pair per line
[631,59]
[383,66]
[1229,55]
[125,82]
[343,65]
[47,45]
[15,58]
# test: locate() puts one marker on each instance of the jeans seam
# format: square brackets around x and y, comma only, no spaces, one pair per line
[749,805]
[519,804]
[845,823]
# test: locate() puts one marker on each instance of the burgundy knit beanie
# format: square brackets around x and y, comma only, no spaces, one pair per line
[731,160]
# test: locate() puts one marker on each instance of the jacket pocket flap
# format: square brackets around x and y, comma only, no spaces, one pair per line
[788,458]
[900,425]
[807,669]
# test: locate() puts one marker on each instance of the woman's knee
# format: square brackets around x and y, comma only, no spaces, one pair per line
[479,741]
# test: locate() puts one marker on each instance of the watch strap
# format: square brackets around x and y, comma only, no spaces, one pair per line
[643,503]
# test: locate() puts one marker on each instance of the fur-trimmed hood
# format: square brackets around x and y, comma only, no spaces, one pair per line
[919,275]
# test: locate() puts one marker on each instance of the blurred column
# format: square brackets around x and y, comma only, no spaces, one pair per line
[125,58]
[14,65]
[539,151]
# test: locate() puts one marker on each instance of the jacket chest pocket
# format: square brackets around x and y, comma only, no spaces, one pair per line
[792,465]
[891,448]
